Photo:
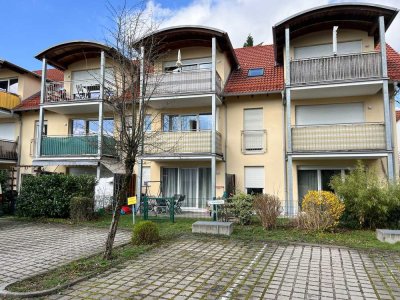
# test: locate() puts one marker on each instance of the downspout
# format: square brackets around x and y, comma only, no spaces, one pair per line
[284,144]
[19,151]
[226,141]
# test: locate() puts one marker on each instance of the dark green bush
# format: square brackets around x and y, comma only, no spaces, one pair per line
[50,195]
[81,208]
[145,233]
[369,201]
[242,205]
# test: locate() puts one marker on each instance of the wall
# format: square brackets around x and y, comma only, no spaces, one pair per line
[274,158]
[27,83]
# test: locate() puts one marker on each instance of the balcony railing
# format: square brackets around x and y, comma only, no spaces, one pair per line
[339,137]
[8,100]
[181,142]
[335,68]
[8,150]
[254,141]
[191,82]
[73,91]
[86,145]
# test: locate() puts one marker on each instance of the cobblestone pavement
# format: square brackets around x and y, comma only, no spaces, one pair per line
[28,248]
[226,269]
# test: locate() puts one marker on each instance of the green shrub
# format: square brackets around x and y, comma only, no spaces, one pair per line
[242,205]
[321,211]
[370,202]
[268,208]
[50,195]
[81,208]
[145,233]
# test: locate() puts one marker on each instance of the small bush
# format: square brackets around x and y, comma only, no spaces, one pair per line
[268,209]
[50,195]
[81,209]
[242,206]
[321,210]
[145,233]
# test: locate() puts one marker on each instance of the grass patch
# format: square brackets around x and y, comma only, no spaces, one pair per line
[79,268]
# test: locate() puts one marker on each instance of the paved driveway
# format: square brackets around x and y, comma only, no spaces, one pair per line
[29,248]
[226,269]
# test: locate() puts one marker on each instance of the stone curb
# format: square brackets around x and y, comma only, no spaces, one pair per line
[4,294]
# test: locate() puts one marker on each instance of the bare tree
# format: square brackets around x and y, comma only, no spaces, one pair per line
[134,51]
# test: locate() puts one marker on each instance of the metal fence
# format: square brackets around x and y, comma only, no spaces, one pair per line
[182,83]
[254,141]
[335,68]
[8,150]
[339,137]
[160,142]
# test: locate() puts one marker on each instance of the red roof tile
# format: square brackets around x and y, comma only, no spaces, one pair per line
[397,115]
[29,103]
[52,74]
[393,63]
[255,57]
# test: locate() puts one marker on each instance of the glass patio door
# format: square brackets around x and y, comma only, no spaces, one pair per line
[188,179]
[204,187]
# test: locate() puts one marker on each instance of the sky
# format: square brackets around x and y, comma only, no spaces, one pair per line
[31,26]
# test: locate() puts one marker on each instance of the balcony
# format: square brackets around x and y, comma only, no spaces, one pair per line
[333,69]
[181,142]
[70,146]
[8,100]
[339,137]
[254,141]
[183,83]
[8,150]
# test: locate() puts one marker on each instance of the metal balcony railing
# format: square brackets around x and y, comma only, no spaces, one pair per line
[254,141]
[8,150]
[339,137]
[87,145]
[73,91]
[8,100]
[190,82]
[326,69]
[181,142]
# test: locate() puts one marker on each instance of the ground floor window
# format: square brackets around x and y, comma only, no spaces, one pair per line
[315,179]
[254,180]
[193,183]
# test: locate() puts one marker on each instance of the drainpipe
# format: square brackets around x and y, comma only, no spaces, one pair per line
[19,152]
[284,144]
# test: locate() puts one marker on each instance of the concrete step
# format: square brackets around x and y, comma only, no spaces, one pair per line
[213,227]
[388,236]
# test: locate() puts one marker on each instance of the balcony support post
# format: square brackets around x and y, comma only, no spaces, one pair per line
[101,103]
[386,100]
[214,123]
[288,106]
[41,110]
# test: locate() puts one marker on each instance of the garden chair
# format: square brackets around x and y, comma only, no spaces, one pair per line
[178,203]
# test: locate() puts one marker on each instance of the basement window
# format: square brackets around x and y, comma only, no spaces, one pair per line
[255,72]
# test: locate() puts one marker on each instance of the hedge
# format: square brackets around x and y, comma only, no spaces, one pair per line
[50,195]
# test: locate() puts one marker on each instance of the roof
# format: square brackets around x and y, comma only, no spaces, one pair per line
[361,16]
[255,57]
[393,63]
[397,115]
[52,74]
[177,37]
[9,65]
[61,55]
[30,103]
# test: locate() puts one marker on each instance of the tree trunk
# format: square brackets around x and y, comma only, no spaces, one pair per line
[115,219]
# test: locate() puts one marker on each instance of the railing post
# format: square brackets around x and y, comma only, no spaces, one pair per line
[41,110]
[386,100]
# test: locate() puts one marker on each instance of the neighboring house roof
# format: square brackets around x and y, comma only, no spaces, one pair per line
[52,74]
[255,57]
[30,103]
[393,63]
[9,65]
[397,116]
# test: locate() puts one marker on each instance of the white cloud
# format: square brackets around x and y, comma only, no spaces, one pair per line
[241,17]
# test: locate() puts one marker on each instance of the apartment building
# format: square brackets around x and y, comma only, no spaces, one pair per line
[279,119]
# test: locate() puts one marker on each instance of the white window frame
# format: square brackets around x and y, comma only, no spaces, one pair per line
[8,83]
[319,169]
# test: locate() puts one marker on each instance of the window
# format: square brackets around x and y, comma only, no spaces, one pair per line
[147,123]
[199,122]
[188,65]
[253,134]
[146,177]
[255,72]
[254,180]
[330,114]
[9,85]
[315,179]
[91,127]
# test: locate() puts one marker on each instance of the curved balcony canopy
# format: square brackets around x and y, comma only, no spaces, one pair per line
[358,16]
[64,54]
[178,37]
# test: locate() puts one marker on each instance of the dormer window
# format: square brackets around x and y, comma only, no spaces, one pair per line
[255,72]
[9,85]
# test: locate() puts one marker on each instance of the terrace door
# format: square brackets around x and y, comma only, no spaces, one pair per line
[188,187]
